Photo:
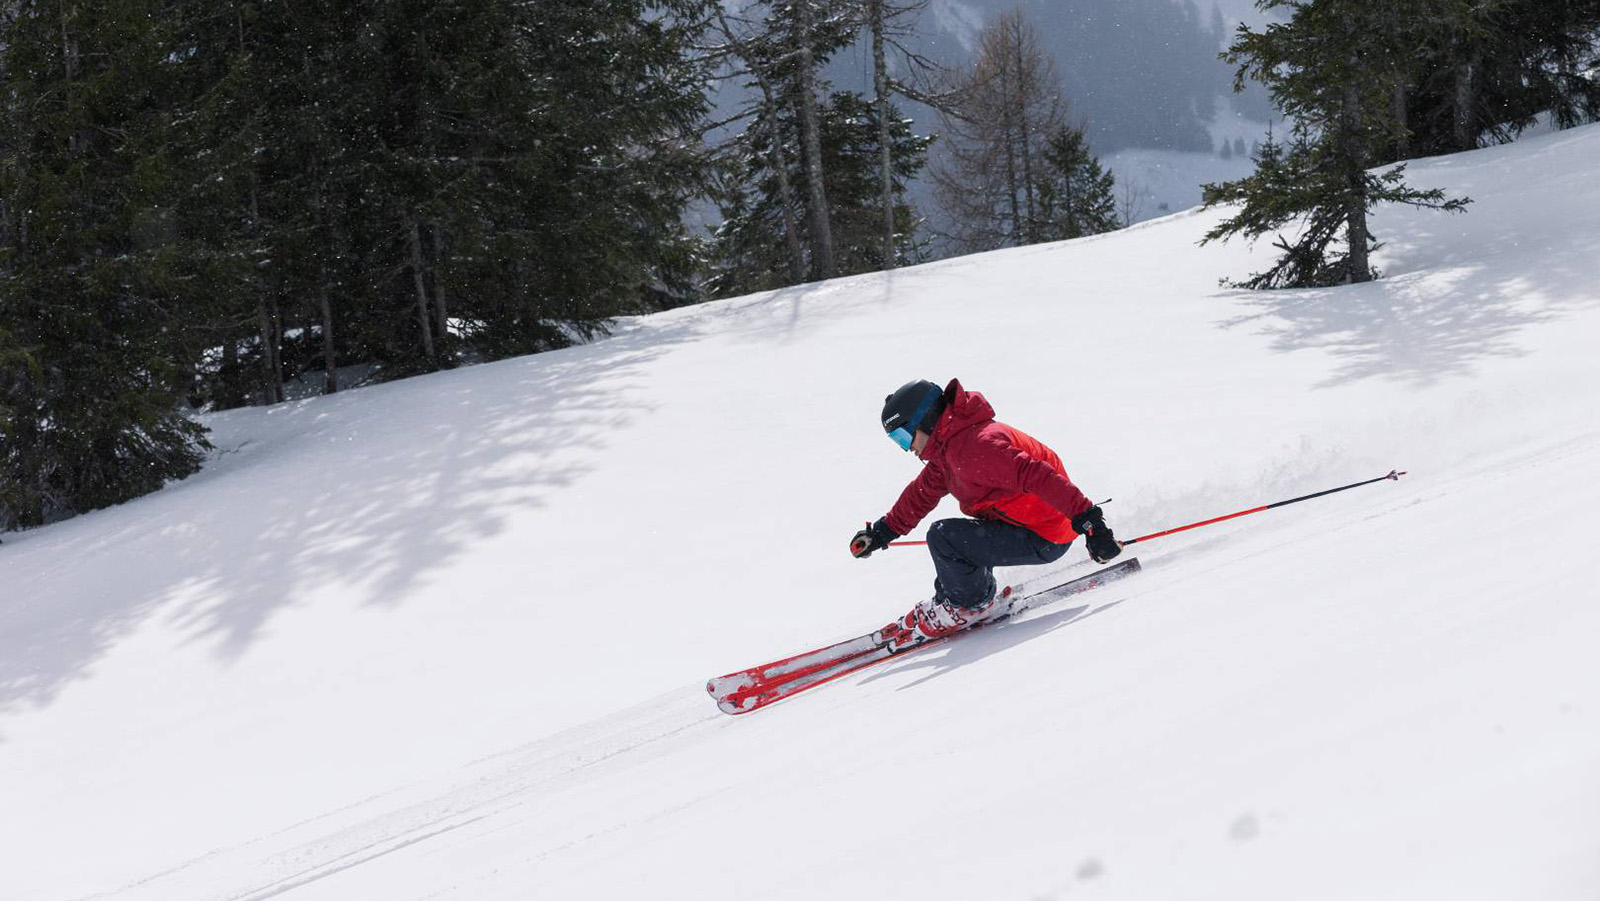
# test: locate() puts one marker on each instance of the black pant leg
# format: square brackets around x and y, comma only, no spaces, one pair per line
[966,551]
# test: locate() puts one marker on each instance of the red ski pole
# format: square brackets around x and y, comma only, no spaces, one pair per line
[1393,476]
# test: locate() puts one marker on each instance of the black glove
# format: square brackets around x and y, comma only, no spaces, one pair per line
[876,536]
[1097,537]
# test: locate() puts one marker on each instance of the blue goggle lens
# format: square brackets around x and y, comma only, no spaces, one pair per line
[901,437]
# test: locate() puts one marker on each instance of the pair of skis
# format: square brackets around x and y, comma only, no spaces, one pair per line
[754,688]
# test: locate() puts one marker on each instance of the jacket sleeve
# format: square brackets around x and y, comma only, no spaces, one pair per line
[918,500]
[1001,464]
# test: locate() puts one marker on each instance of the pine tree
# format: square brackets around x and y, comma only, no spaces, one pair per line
[795,195]
[1077,196]
[589,220]
[1487,69]
[18,371]
[1330,68]
[417,182]
[797,39]
[90,296]
[200,201]
[748,249]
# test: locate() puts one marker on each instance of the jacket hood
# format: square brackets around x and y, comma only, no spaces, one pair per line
[963,409]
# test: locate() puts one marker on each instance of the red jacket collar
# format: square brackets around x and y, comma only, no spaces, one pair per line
[963,409]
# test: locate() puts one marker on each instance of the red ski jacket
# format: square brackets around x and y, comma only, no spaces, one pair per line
[993,470]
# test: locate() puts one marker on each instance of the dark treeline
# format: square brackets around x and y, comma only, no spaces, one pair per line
[201,200]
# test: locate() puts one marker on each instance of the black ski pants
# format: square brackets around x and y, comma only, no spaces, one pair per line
[966,551]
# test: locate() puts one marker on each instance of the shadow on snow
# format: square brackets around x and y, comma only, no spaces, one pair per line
[330,492]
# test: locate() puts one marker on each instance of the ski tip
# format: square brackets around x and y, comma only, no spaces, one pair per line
[722,686]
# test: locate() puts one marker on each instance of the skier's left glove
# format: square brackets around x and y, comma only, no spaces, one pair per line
[875,537]
[1102,545]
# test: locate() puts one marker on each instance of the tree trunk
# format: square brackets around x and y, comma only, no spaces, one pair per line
[1464,122]
[1358,266]
[1008,129]
[232,387]
[275,313]
[1024,137]
[272,373]
[69,60]
[1402,116]
[415,239]
[821,230]
[440,311]
[330,365]
[880,79]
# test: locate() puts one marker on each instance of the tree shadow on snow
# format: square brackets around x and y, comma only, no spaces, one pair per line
[379,517]
[325,492]
[1432,318]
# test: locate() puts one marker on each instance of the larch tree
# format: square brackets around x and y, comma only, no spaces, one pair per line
[1004,109]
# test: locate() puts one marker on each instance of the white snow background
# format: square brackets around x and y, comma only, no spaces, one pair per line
[447,637]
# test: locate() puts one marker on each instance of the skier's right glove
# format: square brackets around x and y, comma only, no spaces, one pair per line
[1097,538]
[875,537]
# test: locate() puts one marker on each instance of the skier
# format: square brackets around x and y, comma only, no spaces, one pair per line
[1023,509]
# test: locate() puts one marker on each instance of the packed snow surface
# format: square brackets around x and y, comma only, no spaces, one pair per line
[446,638]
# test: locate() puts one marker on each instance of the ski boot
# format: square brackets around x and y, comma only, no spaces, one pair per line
[934,618]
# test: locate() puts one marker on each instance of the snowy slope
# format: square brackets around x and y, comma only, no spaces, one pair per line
[446,638]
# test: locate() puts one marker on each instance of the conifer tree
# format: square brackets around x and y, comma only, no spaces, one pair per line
[748,249]
[1077,196]
[796,40]
[1488,68]
[1330,68]
[90,294]
[202,200]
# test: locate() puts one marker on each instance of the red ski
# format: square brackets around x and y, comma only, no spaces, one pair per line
[754,688]
[801,664]
[791,667]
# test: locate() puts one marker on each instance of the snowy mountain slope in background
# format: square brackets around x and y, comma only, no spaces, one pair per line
[446,637]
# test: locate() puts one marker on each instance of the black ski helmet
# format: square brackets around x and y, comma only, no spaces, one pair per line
[915,406]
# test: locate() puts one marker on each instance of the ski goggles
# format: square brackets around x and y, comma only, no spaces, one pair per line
[901,437]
